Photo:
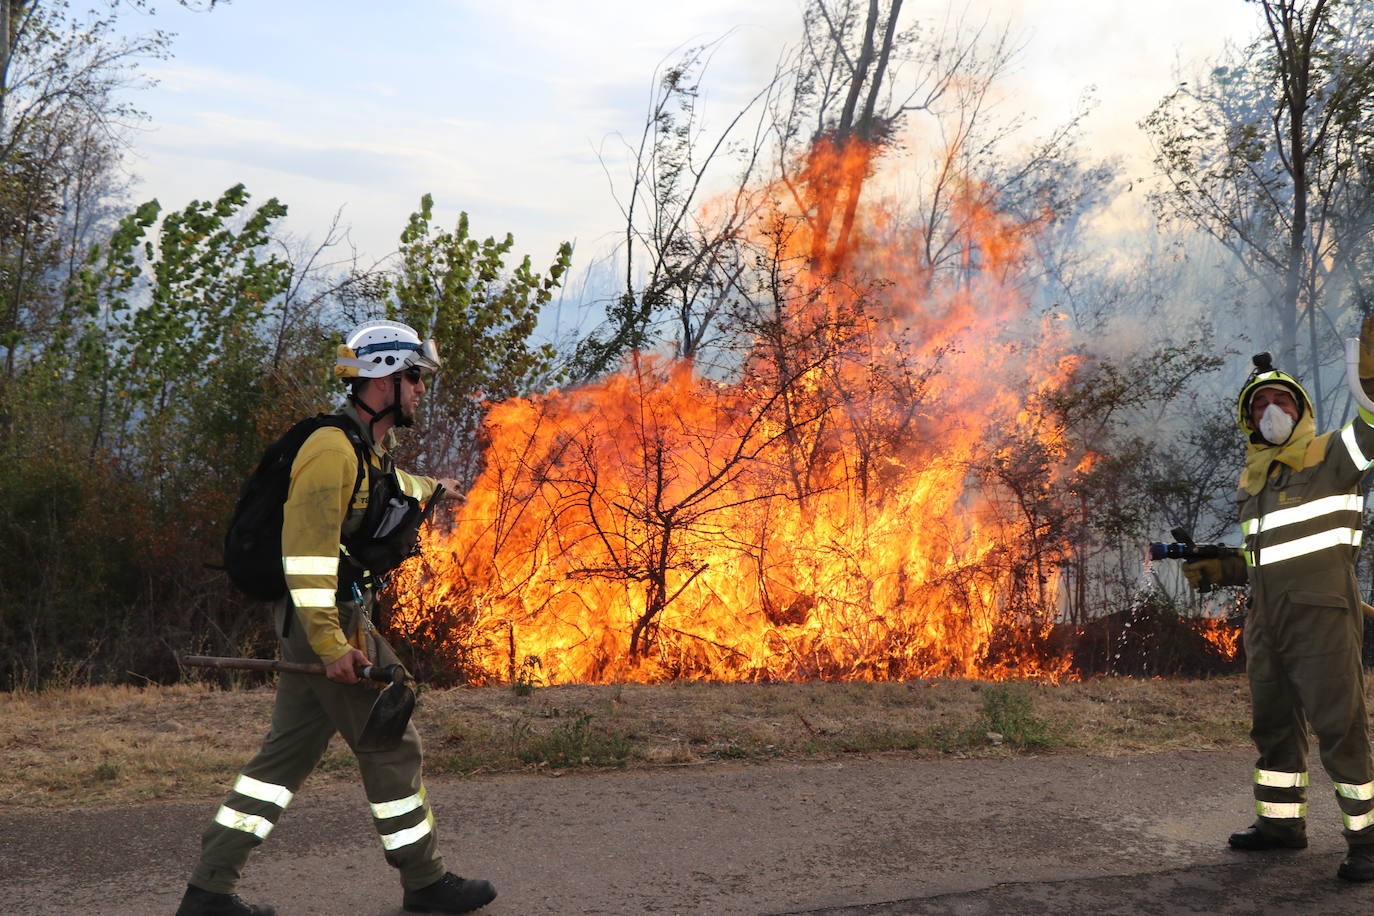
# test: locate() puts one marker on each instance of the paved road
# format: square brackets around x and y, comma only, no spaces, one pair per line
[857,837]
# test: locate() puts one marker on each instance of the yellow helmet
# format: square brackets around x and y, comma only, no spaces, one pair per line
[1265,375]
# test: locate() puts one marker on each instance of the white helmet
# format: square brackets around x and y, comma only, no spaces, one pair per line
[376,349]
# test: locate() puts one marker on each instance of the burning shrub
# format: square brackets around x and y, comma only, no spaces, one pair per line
[1154,638]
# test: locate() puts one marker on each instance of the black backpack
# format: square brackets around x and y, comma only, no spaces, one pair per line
[252,545]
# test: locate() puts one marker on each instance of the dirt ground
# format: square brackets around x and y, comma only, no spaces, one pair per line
[861,835]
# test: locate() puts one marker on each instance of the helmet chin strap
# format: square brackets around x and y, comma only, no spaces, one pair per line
[394,407]
[402,420]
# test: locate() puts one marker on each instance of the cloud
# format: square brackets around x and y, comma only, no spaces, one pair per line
[501,109]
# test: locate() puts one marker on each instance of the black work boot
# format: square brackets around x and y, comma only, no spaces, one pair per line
[197,902]
[1252,839]
[1358,864]
[450,894]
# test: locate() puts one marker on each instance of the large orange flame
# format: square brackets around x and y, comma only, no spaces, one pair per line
[859,502]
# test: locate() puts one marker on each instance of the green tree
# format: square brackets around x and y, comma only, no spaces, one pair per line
[172,328]
[458,290]
[1269,155]
[61,129]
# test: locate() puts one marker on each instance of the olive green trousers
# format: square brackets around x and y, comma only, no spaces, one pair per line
[1303,661]
[309,710]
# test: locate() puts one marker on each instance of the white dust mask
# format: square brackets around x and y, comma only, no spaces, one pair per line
[1275,424]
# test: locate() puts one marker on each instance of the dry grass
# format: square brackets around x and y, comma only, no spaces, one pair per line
[105,746]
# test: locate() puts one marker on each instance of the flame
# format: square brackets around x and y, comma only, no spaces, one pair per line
[1221,634]
[857,503]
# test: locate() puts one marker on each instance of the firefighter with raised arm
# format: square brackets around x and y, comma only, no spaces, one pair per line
[344,493]
[1301,514]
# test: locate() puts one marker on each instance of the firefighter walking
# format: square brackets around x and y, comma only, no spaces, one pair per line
[340,491]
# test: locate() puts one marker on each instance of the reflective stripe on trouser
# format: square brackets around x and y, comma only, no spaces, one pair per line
[403,822]
[1303,662]
[253,806]
[1281,795]
[309,709]
[1357,805]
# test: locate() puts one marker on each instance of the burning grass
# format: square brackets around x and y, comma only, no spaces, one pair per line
[106,746]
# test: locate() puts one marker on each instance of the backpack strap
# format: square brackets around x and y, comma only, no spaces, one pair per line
[360,449]
[350,429]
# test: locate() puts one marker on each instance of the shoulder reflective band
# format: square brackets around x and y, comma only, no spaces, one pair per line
[1353,447]
[310,566]
[410,835]
[1363,792]
[1336,537]
[1341,502]
[1280,811]
[1278,779]
[312,597]
[383,810]
[260,827]
[263,791]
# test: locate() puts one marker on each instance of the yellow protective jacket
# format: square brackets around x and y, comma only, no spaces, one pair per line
[1301,512]
[316,516]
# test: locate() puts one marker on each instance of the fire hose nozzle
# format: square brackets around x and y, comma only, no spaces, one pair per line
[1188,551]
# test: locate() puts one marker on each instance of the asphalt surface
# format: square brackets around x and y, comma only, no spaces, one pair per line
[855,837]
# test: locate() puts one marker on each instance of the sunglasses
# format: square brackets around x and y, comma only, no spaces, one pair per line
[414,375]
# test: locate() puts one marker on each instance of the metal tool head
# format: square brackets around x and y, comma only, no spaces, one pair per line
[391,711]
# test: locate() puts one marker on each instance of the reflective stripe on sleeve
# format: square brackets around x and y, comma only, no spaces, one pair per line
[1278,779]
[260,827]
[1353,447]
[312,597]
[409,484]
[1341,502]
[310,566]
[1362,792]
[1281,810]
[384,810]
[410,835]
[263,791]
[1336,537]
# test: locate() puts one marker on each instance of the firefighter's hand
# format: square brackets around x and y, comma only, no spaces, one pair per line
[1215,572]
[451,490]
[344,669]
[1203,575]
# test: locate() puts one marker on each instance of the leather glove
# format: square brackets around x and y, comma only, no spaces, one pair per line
[1203,575]
[1216,572]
